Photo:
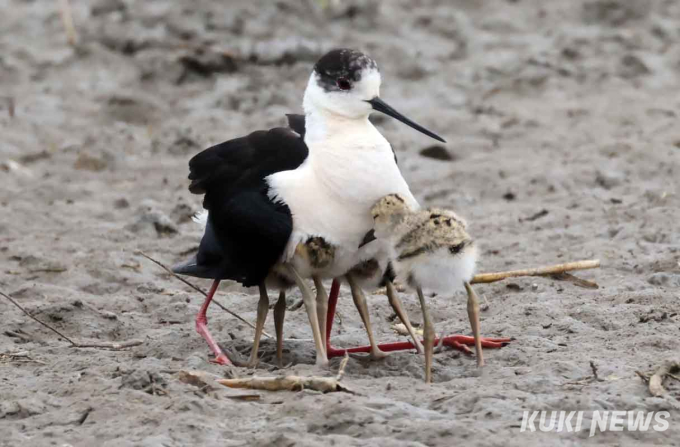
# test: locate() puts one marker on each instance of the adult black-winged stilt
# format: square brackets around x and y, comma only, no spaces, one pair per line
[272,193]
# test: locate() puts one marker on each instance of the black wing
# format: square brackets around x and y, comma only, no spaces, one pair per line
[246,231]
[242,160]
[297,123]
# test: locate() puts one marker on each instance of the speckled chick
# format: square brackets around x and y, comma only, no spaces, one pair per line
[430,249]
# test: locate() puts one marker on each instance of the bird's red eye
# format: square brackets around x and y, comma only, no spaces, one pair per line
[343,84]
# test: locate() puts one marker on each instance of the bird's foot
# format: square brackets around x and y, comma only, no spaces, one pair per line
[377,354]
[251,363]
[461,342]
[322,361]
[418,346]
[221,359]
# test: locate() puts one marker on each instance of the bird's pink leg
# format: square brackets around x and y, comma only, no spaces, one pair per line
[332,303]
[202,328]
[459,342]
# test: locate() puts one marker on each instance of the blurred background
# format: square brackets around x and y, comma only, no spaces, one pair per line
[539,101]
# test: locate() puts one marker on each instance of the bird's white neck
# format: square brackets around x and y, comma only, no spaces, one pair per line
[350,158]
[321,125]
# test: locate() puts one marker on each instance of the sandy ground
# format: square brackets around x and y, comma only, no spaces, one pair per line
[565,106]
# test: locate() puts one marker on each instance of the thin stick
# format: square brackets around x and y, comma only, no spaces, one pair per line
[110,345]
[35,319]
[103,345]
[343,365]
[540,271]
[199,290]
[67,18]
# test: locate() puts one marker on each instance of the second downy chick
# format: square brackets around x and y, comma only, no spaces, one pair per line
[431,250]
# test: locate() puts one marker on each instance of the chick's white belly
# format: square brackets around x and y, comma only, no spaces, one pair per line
[438,271]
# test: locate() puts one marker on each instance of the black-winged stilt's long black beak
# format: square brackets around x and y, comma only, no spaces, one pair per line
[381,106]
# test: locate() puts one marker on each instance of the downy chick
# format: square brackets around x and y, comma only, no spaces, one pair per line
[431,250]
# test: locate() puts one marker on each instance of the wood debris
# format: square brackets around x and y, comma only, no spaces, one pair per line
[206,383]
[669,368]
[540,271]
[292,383]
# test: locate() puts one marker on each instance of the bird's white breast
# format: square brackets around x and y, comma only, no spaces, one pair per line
[330,195]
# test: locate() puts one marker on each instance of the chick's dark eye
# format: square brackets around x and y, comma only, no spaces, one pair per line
[343,84]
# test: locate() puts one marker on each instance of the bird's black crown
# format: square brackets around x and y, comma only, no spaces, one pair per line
[342,65]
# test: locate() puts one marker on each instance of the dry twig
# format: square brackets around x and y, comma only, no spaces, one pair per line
[292,383]
[540,271]
[67,18]
[558,272]
[594,377]
[18,357]
[643,376]
[594,369]
[199,290]
[206,383]
[99,345]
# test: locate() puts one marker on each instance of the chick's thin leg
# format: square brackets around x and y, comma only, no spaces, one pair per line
[360,303]
[321,307]
[458,342]
[473,315]
[396,304]
[428,335]
[262,310]
[310,306]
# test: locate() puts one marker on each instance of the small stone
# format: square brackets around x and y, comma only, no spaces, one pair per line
[103,7]
[182,213]
[148,288]
[608,180]
[87,162]
[613,13]
[632,67]
[152,219]
[121,203]
[147,381]
[437,152]
[184,145]
[15,168]
[108,315]
[21,409]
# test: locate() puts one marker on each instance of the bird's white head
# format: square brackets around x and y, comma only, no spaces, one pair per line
[342,83]
[346,83]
